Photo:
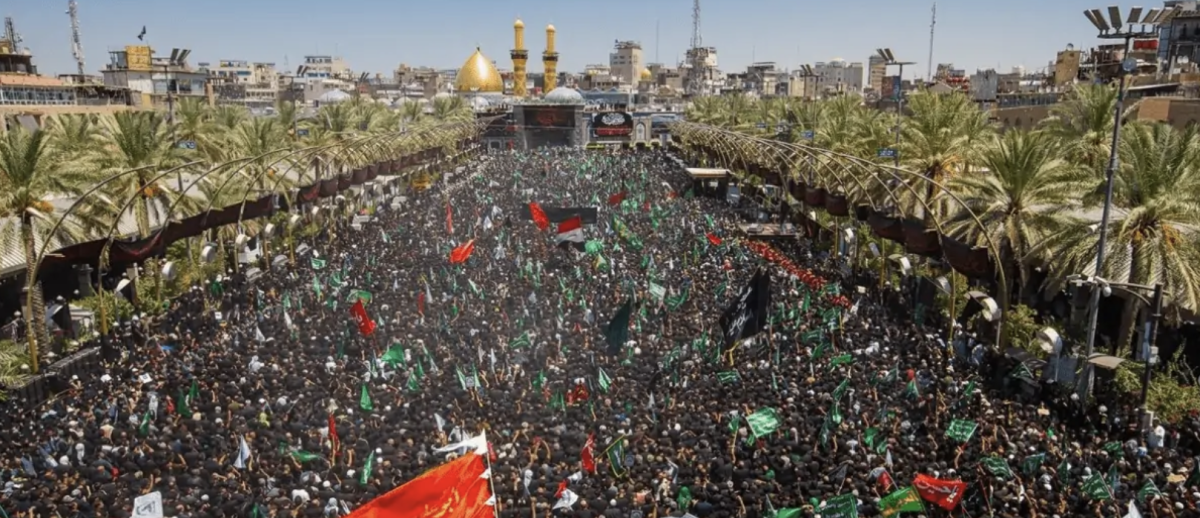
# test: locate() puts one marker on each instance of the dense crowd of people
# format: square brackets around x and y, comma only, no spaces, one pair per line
[234,404]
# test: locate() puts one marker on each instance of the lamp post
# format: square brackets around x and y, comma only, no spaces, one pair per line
[890,59]
[1131,29]
[1146,352]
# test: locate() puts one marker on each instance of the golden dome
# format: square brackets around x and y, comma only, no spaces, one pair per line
[519,24]
[646,75]
[478,74]
[550,28]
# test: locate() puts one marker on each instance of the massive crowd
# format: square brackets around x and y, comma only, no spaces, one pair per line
[233,403]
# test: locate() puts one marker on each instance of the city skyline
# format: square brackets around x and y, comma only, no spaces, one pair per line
[447,32]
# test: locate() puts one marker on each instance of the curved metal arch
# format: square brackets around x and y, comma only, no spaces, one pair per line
[898,174]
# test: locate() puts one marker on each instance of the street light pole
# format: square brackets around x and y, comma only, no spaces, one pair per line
[1146,28]
[1148,357]
[890,59]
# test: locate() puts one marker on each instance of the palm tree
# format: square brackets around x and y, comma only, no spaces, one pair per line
[194,122]
[450,109]
[1026,195]
[131,140]
[32,177]
[229,116]
[1084,122]
[939,140]
[74,135]
[1156,211]
[412,113]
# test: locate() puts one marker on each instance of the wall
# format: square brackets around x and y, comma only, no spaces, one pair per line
[1020,117]
[1177,112]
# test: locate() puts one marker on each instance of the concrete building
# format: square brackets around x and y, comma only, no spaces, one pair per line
[153,77]
[325,67]
[427,80]
[626,62]
[27,97]
[876,70]
[243,82]
[700,73]
[663,76]
[838,77]
[985,85]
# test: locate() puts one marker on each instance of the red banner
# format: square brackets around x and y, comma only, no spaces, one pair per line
[588,456]
[462,252]
[539,216]
[812,280]
[947,494]
[712,238]
[452,490]
[366,326]
[617,198]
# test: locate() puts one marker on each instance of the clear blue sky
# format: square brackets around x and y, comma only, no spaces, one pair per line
[376,35]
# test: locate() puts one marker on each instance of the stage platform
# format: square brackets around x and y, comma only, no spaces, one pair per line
[768,231]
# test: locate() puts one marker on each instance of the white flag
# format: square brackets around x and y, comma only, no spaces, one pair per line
[243,454]
[477,444]
[567,499]
[1133,511]
[258,335]
[287,320]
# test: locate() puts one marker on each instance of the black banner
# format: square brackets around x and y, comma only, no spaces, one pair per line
[612,124]
[560,214]
[747,314]
[549,117]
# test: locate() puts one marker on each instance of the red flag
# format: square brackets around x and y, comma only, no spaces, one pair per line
[947,494]
[588,457]
[561,487]
[366,326]
[421,303]
[462,252]
[712,238]
[333,436]
[456,489]
[571,230]
[539,216]
[449,219]
[579,393]
[885,480]
[617,198]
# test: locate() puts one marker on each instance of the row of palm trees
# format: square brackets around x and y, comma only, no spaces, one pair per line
[42,172]
[1036,191]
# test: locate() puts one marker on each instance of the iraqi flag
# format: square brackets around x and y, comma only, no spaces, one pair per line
[570,233]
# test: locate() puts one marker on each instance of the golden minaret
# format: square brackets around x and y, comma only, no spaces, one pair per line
[550,62]
[519,56]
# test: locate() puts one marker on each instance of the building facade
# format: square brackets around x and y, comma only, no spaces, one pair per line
[838,77]
[155,79]
[317,68]
[625,62]
[243,82]
[876,70]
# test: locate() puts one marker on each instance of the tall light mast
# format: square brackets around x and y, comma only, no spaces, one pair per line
[76,38]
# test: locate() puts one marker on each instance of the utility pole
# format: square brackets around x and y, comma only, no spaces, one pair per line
[932,25]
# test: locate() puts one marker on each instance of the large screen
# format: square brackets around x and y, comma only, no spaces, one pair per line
[549,117]
[612,124]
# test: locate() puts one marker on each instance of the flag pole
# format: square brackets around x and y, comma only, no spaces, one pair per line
[487,457]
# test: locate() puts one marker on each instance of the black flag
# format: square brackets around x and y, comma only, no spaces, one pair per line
[617,332]
[143,34]
[747,314]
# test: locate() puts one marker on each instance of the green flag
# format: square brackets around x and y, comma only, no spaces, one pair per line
[593,247]
[1030,465]
[317,263]
[617,332]
[366,472]
[763,422]
[182,406]
[841,360]
[684,499]
[961,430]
[520,341]
[394,355]
[364,400]
[358,295]
[616,457]
[911,390]
[903,501]
[603,380]
[841,506]
[1095,488]
[145,426]
[727,377]
[539,381]
[1148,491]
[996,466]
[304,456]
